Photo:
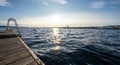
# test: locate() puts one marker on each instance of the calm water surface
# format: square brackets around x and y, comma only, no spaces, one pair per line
[56,46]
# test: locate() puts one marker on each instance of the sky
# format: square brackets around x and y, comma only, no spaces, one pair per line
[50,13]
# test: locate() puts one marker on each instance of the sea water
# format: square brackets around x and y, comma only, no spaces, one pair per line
[59,46]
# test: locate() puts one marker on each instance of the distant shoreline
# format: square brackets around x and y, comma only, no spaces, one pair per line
[84,28]
[96,27]
[93,27]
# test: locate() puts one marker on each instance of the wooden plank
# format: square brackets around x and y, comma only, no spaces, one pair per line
[4,42]
[10,47]
[32,53]
[15,58]
[6,32]
[13,51]
[32,63]
[23,61]
[8,36]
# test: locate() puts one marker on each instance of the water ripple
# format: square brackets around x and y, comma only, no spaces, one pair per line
[74,46]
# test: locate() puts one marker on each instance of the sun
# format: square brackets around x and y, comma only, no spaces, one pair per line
[56,19]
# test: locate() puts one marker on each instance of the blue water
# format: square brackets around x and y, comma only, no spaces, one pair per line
[55,46]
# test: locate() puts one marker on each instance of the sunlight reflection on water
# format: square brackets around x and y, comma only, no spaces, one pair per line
[74,46]
[56,48]
[55,38]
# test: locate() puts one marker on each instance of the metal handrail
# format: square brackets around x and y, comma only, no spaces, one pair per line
[14,20]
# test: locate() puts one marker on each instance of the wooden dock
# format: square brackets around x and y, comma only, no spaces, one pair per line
[13,51]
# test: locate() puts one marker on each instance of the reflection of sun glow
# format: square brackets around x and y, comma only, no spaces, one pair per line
[56,39]
[56,36]
[56,48]
[55,31]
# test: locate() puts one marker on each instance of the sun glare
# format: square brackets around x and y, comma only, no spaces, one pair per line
[56,19]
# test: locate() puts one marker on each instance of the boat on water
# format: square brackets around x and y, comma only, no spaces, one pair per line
[13,50]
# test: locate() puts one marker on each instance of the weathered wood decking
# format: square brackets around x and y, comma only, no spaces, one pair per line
[13,51]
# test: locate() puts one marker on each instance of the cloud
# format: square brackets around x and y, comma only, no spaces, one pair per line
[48,2]
[4,3]
[60,1]
[116,3]
[45,3]
[98,5]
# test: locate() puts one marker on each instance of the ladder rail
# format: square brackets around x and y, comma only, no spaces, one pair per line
[15,22]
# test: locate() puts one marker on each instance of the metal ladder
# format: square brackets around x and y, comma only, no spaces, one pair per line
[17,28]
